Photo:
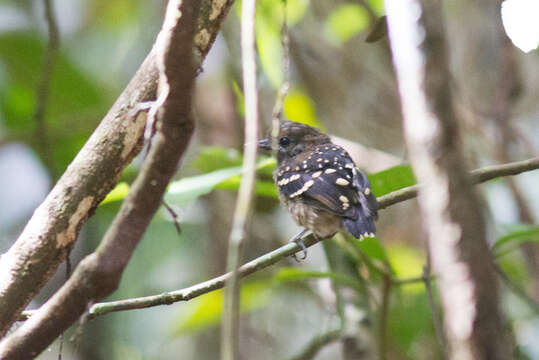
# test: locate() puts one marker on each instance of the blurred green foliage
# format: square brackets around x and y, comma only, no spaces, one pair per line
[288,274]
[516,235]
[392,179]
[165,260]
[75,103]
[345,21]
[221,169]
[299,107]
[118,193]
[206,310]
[269,19]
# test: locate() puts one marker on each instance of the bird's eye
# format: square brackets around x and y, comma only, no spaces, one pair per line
[284,141]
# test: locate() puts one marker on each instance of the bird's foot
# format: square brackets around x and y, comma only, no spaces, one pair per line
[298,239]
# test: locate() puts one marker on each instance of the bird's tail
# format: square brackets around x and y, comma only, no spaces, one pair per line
[361,227]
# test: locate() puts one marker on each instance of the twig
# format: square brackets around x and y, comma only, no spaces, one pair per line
[261,263]
[201,288]
[316,344]
[277,112]
[436,319]
[43,87]
[477,176]
[231,307]
[174,216]
[384,310]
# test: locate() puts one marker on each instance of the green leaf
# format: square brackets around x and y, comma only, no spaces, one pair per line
[114,15]
[269,19]
[240,100]
[268,41]
[271,11]
[188,189]
[525,233]
[266,166]
[346,21]
[19,103]
[407,262]
[410,322]
[206,310]
[295,274]
[372,248]
[118,193]
[299,107]
[213,158]
[395,178]
[262,188]
[76,101]
[266,188]
[377,6]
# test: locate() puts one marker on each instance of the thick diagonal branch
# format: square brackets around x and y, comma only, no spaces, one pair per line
[99,273]
[51,232]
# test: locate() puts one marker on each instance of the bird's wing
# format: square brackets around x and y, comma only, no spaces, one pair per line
[328,179]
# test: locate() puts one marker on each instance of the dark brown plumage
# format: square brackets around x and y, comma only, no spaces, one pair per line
[320,184]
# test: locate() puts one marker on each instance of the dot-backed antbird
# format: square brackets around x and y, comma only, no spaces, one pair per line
[320,184]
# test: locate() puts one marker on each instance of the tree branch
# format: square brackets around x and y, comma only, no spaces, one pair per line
[436,318]
[201,288]
[54,226]
[43,88]
[317,343]
[477,176]
[450,208]
[99,273]
[231,312]
[273,257]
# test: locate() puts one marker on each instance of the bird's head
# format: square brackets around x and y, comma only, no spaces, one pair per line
[293,139]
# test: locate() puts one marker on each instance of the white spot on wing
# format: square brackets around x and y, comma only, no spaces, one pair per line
[341,182]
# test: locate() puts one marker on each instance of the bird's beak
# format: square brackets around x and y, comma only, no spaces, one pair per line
[265,144]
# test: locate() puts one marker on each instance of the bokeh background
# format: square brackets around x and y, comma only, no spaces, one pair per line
[339,83]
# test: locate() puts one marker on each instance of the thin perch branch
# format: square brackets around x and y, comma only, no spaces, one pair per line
[201,288]
[477,176]
[282,252]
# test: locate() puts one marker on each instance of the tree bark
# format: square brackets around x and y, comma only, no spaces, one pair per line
[51,232]
[99,274]
[450,208]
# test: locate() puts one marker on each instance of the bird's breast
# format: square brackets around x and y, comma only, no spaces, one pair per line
[322,223]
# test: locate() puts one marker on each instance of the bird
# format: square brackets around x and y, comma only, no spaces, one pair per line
[320,185]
